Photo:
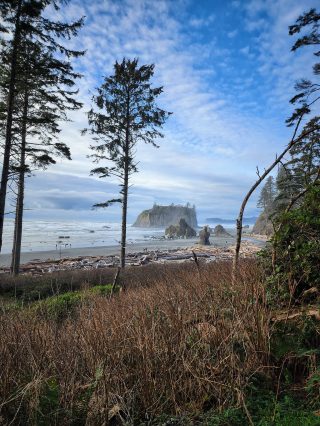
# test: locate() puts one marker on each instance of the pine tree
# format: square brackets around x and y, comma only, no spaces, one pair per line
[305,156]
[126,115]
[267,195]
[302,170]
[45,94]
[24,19]
[11,16]
[286,186]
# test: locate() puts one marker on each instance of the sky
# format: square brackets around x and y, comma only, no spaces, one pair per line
[228,75]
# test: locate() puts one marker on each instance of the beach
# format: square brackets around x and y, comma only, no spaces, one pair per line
[138,253]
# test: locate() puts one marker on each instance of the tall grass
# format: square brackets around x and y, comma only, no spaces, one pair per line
[183,342]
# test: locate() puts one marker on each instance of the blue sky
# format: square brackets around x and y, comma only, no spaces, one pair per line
[228,75]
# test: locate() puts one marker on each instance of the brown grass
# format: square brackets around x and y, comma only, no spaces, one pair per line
[187,341]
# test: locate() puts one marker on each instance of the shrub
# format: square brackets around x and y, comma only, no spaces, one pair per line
[60,307]
[292,259]
[104,290]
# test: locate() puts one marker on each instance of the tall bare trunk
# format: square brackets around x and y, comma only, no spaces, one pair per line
[124,218]
[16,251]
[252,189]
[10,105]
[125,188]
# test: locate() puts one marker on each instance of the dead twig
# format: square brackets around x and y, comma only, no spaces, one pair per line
[116,277]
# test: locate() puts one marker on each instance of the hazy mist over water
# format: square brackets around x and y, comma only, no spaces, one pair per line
[50,235]
[41,235]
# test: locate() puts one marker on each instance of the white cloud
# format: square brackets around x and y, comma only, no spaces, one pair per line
[214,140]
[270,20]
[202,22]
[232,34]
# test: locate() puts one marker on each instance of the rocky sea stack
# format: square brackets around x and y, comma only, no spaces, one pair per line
[204,235]
[163,216]
[182,230]
[263,225]
[219,231]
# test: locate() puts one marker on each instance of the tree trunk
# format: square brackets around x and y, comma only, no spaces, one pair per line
[124,217]
[256,184]
[10,105]
[16,251]
[125,188]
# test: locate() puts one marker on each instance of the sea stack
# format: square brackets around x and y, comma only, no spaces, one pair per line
[182,230]
[204,235]
[219,231]
[164,216]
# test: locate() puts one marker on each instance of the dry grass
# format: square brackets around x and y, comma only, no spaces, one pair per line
[187,341]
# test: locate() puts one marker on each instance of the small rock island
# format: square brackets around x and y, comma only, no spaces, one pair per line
[181,230]
[164,216]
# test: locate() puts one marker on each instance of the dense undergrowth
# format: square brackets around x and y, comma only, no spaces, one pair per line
[183,348]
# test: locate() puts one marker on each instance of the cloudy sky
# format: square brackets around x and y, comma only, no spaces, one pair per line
[228,74]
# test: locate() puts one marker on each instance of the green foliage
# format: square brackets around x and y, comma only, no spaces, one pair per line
[126,113]
[267,194]
[48,407]
[295,249]
[297,338]
[60,307]
[104,290]
[30,288]
[265,410]
[287,186]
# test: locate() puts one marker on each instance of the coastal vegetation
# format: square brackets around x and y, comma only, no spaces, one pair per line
[301,172]
[180,346]
[213,343]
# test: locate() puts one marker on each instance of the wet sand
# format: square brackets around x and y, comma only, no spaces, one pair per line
[148,246]
[151,245]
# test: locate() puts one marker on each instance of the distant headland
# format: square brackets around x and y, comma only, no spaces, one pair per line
[246,220]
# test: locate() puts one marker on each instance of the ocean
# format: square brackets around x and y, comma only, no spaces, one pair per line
[50,235]
[41,235]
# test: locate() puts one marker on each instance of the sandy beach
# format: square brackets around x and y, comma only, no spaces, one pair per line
[5,259]
[221,247]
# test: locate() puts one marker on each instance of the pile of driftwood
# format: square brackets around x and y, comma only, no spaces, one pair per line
[207,253]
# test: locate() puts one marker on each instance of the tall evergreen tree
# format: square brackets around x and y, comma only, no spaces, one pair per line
[308,91]
[286,187]
[126,115]
[25,20]
[305,156]
[302,169]
[45,94]
[267,195]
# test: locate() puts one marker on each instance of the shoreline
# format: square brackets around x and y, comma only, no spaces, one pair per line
[160,251]
[114,250]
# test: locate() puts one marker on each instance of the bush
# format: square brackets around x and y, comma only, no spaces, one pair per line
[293,257]
[60,307]
[104,290]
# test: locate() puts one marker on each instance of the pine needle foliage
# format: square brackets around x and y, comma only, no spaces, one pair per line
[125,114]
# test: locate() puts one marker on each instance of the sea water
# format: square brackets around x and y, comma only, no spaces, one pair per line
[50,235]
